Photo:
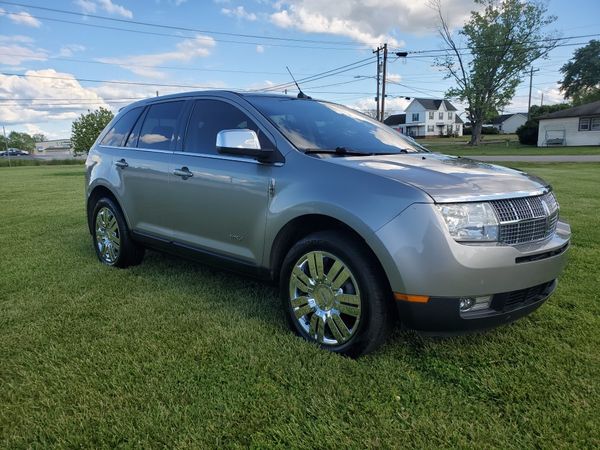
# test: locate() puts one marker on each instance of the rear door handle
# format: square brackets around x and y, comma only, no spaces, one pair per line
[184,173]
[121,163]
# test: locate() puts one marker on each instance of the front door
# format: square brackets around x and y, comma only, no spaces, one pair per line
[220,202]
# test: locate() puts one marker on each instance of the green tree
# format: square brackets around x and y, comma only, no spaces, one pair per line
[86,129]
[22,141]
[581,81]
[537,111]
[39,137]
[501,40]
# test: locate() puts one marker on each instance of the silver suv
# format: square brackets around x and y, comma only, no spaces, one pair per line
[359,225]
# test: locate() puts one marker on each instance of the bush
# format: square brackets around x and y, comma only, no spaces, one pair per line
[528,132]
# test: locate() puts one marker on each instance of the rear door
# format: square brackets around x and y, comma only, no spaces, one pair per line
[145,166]
[221,206]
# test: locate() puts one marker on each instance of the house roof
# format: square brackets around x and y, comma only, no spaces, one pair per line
[589,109]
[431,103]
[503,117]
[395,119]
[457,119]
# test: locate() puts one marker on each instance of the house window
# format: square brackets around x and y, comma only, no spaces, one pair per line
[430,115]
[595,124]
[450,115]
[415,117]
[584,124]
[441,116]
[429,128]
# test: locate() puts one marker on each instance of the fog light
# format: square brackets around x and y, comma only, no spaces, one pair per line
[474,303]
[466,303]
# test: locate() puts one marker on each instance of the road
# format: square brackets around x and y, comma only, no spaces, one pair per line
[540,158]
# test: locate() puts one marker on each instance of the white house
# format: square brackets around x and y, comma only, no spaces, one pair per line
[574,126]
[508,123]
[427,117]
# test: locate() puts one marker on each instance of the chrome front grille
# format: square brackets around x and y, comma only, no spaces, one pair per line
[526,219]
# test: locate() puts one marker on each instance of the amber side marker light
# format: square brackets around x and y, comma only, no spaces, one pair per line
[411,298]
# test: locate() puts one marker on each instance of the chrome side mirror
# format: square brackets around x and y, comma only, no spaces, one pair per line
[241,143]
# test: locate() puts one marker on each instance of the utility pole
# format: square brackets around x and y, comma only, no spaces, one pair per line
[530,83]
[542,100]
[377,50]
[382,116]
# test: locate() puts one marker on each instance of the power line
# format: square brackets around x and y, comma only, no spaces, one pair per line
[180,28]
[178,36]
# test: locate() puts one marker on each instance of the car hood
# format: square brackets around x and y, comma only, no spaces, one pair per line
[449,178]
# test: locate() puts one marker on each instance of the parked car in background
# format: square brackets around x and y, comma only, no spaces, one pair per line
[14,152]
[358,225]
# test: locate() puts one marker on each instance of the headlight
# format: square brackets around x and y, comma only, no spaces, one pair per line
[470,222]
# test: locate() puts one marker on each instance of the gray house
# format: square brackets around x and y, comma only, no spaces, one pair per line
[508,123]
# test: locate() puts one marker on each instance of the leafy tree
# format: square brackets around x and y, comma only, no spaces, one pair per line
[39,137]
[581,80]
[537,111]
[22,141]
[86,129]
[501,40]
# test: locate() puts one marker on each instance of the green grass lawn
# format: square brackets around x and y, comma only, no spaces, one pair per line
[512,149]
[174,354]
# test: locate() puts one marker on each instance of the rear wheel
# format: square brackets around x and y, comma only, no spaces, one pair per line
[335,295]
[112,241]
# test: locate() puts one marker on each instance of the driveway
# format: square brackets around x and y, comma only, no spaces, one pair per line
[540,158]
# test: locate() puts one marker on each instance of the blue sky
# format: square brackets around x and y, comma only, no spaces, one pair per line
[58,51]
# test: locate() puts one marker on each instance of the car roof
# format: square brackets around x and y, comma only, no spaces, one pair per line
[225,93]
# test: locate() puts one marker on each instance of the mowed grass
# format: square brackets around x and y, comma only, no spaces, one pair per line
[174,354]
[502,148]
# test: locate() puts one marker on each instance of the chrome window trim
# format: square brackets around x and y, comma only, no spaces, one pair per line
[201,155]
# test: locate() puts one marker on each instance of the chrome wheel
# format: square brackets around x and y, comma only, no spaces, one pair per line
[325,298]
[108,236]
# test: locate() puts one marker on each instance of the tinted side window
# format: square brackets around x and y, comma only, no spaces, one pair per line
[119,132]
[160,126]
[211,116]
[132,140]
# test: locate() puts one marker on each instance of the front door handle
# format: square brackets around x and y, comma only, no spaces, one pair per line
[121,163]
[184,173]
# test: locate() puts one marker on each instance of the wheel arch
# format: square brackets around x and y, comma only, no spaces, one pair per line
[97,193]
[300,227]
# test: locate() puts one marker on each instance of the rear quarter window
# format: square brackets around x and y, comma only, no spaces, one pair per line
[117,135]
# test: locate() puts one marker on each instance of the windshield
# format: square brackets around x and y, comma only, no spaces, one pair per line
[313,125]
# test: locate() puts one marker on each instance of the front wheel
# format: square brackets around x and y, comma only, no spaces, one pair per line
[334,294]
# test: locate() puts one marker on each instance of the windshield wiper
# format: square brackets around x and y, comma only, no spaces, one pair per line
[339,151]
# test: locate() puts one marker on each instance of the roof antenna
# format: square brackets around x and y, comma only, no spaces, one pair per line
[300,93]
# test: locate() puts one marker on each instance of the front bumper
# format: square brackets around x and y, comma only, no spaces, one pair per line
[420,257]
[441,315]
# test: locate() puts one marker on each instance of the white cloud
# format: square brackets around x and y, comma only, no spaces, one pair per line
[90,7]
[16,38]
[113,8]
[392,104]
[86,6]
[185,51]
[70,49]
[50,93]
[22,18]
[32,128]
[13,55]
[260,49]
[239,12]
[367,21]
[18,48]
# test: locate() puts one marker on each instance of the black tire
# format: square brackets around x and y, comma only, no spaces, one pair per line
[129,252]
[376,317]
